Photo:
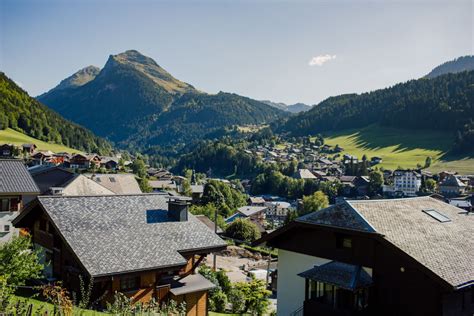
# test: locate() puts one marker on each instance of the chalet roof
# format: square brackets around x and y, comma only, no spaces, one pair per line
[347,178]
[46,177]
[123,233]
[256,199]
[452,181]
[251,210]
[190,284]
[305,174]
[343,275]
[444,247]
[15,178]
[209,223]
[117,183]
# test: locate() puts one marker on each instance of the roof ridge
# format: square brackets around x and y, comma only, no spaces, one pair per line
[104,195]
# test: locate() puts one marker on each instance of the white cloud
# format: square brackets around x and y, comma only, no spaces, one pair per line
[321,59]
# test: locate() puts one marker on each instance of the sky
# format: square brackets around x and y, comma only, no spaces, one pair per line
[283,51]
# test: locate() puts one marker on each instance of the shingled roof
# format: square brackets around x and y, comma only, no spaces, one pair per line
[445,247]
[123,233]
[15,178]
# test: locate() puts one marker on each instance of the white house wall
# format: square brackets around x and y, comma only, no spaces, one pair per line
[291,287]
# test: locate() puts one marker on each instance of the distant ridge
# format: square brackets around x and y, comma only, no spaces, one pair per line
[292,108]
[464,63]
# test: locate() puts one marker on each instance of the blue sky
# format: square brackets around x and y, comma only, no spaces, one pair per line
[284,51]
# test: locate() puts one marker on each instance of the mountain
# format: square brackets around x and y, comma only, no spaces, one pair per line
[465,63]
[444,103]
[292,108]
[23,113]
[135,102]
[298,107]
[78,79]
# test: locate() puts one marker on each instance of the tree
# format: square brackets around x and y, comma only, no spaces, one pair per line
[376,182]
[144,185]
[18,262]
[243,229]
[430,186]
[428,162]
[255,296]
[138,167]
[290,216]
[315,202]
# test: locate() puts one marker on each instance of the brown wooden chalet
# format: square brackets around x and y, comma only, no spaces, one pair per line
[17,187]
[146,246]
[83,161]
[381,257]
[29,148]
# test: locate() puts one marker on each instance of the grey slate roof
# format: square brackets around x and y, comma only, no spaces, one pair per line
[445,248]
[15,178]
[343,275]
[121,233]
[339,215]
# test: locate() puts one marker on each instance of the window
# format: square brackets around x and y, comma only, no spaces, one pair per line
[129,283]
[437,215]
[112,179]
[343,242]
[5,205]
[6,228]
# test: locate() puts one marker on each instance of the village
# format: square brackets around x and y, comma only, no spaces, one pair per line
[43,193]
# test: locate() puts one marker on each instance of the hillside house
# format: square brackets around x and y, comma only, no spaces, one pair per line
[52,180]
[451,186]
[145,246]
[7,150]
[380,257]
[254,213]
[29,149]
[83,161]
[16,186]
[304,174]
[256,201]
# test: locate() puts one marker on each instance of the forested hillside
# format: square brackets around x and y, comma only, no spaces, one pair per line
[444,103]
[464,63]
[25,114]
[138,104]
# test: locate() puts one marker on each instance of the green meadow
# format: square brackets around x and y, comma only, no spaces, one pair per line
[10,136]
[401,147]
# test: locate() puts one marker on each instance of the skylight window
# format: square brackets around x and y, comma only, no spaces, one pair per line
[437,215]
[112,179]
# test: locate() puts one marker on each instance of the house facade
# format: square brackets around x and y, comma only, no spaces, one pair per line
[378,257]
[146,246]
[407,182]
[16,185]
[451,186]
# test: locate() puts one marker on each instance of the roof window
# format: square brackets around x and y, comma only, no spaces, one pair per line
[437,215]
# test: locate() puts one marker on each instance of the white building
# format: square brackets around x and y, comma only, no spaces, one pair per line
[406,181]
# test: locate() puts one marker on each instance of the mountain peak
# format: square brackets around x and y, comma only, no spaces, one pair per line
[149,67]
[79,78]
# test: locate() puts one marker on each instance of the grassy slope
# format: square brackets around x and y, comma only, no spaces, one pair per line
[11,136]
[400,147]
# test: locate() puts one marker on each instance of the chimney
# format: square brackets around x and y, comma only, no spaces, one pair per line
[178,208]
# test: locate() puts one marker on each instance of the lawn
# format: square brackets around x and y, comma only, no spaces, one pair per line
[10,136]
[400,147]
[43,306]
